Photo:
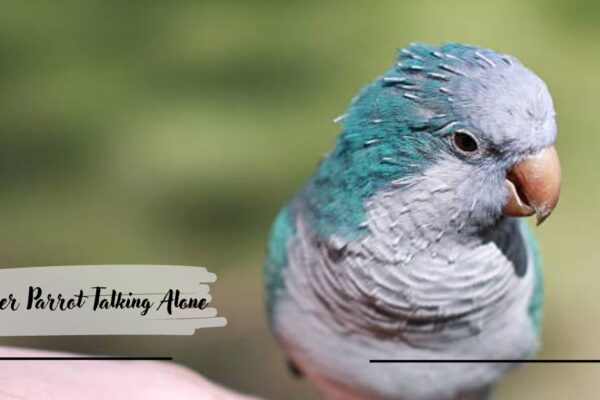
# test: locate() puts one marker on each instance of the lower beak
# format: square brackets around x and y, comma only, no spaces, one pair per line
[534,185]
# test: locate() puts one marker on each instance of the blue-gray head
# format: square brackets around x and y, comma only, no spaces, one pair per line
[483,119]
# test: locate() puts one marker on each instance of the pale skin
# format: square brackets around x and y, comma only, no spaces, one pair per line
[91,380]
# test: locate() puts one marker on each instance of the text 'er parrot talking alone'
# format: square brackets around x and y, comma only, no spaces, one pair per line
[405,243]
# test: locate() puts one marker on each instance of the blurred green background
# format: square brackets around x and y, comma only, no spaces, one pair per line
[171,132]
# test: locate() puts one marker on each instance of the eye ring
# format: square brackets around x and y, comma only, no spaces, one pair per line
[465,142]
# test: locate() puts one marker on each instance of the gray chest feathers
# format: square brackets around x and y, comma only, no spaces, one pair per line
[416,278]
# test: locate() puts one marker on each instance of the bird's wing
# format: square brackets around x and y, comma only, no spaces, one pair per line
[281,232]
[536,304]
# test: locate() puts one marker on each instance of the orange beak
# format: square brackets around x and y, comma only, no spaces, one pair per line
[534,185]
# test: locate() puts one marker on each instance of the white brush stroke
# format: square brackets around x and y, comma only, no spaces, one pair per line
[149,281]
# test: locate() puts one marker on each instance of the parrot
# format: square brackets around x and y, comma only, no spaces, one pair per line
[409,241]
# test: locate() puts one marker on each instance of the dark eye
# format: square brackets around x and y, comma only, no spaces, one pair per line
[465,142]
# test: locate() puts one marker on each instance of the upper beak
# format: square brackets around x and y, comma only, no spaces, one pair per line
[534,185]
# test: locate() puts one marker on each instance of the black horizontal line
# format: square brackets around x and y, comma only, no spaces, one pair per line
[86,358]
[538,361]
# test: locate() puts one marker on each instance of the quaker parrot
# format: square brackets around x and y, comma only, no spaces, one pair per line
[405,243]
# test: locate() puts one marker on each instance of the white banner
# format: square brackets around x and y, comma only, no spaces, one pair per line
[106,300]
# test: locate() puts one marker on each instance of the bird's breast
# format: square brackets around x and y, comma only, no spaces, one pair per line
[409,279]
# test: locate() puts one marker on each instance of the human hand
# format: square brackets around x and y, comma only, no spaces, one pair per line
[94,380]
